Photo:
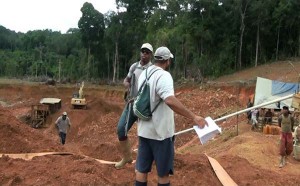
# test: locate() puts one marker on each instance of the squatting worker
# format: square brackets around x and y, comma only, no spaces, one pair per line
[156,136]
[286,123]
[63,124]
[128,118]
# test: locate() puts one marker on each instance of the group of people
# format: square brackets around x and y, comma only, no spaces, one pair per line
[156,136]
[254,114]
[285,122]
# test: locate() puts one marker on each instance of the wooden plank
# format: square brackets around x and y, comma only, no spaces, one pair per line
[222,175]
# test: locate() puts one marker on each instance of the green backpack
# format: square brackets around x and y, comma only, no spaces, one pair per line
[141,105]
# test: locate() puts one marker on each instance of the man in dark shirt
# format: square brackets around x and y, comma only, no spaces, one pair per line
[268,116]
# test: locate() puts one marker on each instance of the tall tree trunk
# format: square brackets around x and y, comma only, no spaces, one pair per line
[277,44]
[59,70]
[241,41]
[257,44]
[118,67]
[201,40]
[299,44]
[182,49]
[108,66]
[88,62]
[236,57]
[115,63]
[36,68]
[242,29]
[185,60]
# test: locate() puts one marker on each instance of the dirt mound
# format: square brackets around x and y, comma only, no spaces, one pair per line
[287,71]
[249,157]
[17,137]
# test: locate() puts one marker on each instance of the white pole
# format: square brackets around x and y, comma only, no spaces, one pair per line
[242,111]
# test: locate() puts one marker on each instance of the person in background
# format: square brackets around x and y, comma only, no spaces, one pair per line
[286,123]
[249,104]
[128,118]
[156,136]
[254,116]
[268,117]
[63,124]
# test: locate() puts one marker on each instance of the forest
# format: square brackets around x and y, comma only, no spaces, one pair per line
[208,38]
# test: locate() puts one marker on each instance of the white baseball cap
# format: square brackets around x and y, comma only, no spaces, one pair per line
[147,46]
[64,113]
[163,53]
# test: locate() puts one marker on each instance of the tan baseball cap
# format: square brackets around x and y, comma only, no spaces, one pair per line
[162,53]
[147,46]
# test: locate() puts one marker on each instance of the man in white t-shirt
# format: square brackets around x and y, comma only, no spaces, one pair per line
[156,136]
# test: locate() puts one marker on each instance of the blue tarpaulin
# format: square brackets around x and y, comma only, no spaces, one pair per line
[282,88]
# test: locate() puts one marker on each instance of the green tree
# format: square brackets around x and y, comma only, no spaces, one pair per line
[91,26]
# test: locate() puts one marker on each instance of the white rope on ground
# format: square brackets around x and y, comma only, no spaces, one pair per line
[29,156]
[241,111]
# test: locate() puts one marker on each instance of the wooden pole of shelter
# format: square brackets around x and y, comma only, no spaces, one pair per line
[242,111]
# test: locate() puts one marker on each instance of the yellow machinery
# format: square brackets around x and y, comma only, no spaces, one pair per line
[78,99]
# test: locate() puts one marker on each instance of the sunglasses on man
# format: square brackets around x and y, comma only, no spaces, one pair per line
[145,51]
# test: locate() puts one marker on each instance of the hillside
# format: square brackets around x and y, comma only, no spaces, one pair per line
[287,71]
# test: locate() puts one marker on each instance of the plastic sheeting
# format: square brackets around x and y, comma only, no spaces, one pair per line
[268,90]
[282,88]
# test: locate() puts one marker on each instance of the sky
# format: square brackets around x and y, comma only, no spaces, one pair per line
[57,15]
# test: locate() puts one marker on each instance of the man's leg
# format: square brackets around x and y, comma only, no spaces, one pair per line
[62,137]
[282,150]
[164,159]
[125,123]
[125,147]
[164,181]
[289,143]
[143,162]
[252,124]
[140,178]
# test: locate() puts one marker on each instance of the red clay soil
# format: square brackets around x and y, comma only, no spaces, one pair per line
[250,158]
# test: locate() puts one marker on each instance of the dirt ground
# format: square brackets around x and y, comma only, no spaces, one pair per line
[250,158]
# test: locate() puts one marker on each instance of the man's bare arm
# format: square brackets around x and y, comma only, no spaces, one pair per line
[126,82]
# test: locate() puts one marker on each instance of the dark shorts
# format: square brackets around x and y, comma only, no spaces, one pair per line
[162,152]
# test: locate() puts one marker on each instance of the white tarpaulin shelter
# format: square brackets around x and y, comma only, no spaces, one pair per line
[268,90]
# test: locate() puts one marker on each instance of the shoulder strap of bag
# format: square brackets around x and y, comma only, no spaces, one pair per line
[147,78]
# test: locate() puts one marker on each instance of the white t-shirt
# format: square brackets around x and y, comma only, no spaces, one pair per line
[136,69]
[161,125]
